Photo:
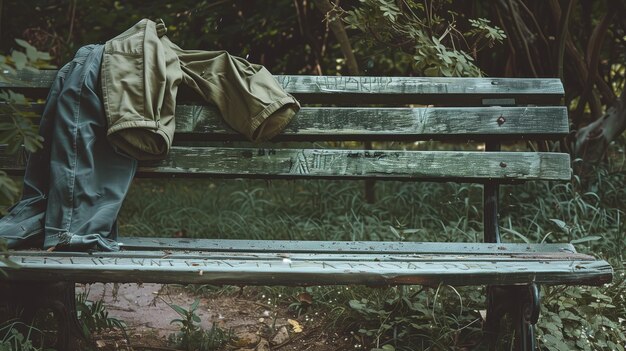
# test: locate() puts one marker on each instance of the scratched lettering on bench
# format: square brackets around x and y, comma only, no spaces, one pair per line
[453,266]
[389,264]
[45,261]
[209,263]
[31,260]
[265,264]
[420,87]
[314,162]
[420,120]
[337,83]
[353,84]
[285,81]
[379,265]
[103,261]
[300,164]
[48,260]
[149,262]
[375,84]
[411,266]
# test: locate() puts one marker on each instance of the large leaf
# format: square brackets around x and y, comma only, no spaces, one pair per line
[19,59]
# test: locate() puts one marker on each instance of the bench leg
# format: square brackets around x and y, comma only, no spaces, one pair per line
[522,304]
[527,316]
[27,301]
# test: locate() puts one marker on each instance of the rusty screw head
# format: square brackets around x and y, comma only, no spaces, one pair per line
[501,120]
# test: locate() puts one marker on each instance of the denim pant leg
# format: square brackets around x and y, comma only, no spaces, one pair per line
[24,224]
[88,178]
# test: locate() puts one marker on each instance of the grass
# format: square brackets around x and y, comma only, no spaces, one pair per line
[191,336]
[295,210]
[16,336]
[586,318]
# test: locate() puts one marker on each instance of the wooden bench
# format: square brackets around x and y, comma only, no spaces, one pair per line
[488,110]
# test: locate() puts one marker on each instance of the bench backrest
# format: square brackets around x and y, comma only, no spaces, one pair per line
[403,109]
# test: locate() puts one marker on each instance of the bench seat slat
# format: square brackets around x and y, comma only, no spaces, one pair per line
[272,256]
[348,164]
[309,269]
[354,247]
[374,90]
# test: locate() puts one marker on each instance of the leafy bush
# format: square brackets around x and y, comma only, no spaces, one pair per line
[94,317]
[17,121]
[191,336]
[433,44]
[11,339]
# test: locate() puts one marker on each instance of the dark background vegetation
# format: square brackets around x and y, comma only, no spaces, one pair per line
[583,42]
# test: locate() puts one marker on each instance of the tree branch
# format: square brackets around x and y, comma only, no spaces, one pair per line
[593,59]
[593,140]
[581,70]
[563,33]
[334,21]
[305,31]
[516,26]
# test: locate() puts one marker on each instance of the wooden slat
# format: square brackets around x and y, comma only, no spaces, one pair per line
[197,122]
[309,269]
[327,123]
[27,79]
[333,256]
[348,247]
[349,164]
[431,90]
[374,90]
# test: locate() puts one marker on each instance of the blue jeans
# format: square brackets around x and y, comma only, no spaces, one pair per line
[74,186]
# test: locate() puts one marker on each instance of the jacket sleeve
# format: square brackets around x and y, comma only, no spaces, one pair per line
[140,78]
[249,98]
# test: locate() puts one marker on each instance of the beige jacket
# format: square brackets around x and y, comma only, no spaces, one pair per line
[141,71]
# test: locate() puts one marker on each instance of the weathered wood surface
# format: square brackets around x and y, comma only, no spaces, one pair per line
[353,247]
[198,122]
[308,269]
[430,90]
[349,164]
[337,89]
[330,256]
[327,123]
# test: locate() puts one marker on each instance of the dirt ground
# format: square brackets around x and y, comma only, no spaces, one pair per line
[256,325]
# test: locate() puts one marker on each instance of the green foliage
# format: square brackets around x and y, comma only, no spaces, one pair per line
[94,317]
[17,121]
[482,30]
[4,256]
[584,318]
[31,60]
[191,336]
[432,40]
[264,34]
[12,339]
[408,318]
